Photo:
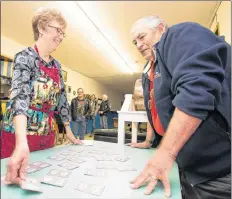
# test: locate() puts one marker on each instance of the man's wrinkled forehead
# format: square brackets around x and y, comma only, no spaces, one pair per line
[138,30]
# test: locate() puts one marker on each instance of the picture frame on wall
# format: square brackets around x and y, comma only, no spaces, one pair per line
[69,89]
[66,88]
[65,75]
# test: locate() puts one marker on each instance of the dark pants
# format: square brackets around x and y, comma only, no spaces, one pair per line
[219,188]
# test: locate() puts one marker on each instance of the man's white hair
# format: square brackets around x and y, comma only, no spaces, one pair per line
[149,21]
[105,96]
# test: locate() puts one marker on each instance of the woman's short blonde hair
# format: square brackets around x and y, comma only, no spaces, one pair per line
[43,16]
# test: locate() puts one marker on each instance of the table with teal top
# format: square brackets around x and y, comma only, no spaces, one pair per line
[116,183]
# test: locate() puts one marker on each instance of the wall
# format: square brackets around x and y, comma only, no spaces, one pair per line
[224,19]
[9,48]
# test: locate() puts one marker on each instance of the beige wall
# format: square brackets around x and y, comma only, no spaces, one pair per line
[224,19]
[9,48]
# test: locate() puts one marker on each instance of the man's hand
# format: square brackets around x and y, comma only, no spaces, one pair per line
[158,168]
[16,168]
[142,145]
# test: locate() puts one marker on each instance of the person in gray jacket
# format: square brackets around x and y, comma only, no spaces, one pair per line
[103,111]
[80,110]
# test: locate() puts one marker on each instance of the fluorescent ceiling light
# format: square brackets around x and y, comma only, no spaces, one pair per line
[77,19]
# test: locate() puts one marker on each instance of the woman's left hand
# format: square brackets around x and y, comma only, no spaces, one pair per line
[77,141]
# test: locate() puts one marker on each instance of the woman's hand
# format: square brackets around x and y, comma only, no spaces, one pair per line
[16,168]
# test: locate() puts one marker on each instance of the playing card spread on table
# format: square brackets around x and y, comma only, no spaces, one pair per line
[31,184]
[90,188]
[122,159]
[102,158]
[98,152]
[52,180]
[59,173]
[68,153]
[98,158]
[100,173]
[36,166]
[76,160]
[126,168]
[39,165]
[32,169]
[68,165]
[85,155]
[112,153]
[106,165]
[57,158]
[89,172]
[76,150]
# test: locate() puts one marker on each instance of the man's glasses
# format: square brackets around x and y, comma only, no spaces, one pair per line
[58,30]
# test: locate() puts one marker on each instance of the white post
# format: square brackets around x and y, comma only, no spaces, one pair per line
[134,131]
[121,130]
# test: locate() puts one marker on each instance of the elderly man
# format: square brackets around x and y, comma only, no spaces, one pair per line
[187,90]
[103,111]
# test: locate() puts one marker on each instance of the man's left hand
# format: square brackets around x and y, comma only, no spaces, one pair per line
[158,168]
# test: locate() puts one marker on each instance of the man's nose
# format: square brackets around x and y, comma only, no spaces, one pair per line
[139,45]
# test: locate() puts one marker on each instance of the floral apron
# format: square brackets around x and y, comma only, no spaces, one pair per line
[45,93]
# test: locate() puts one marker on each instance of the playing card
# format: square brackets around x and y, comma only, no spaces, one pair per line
[52,180]
[102,158]
[86,155]
[122,159]
[57,158]
[101,166]
[32,169]
[98,158]
[38,166]
[99,152]
[59,173]
[31,184]
[88,142]
[89,172]
[68,153]
[77,150]
[76,160]
[126,168]
[68,165]
[107,158]
[100,173]
[44,165]
[90,188]
[112,153]
[105,165]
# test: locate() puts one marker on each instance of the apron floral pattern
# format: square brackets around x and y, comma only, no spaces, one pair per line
[38,92]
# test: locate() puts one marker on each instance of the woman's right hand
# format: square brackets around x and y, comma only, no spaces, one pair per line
[16,167]
[141,145]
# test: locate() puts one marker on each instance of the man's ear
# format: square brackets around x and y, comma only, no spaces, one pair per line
[161,28]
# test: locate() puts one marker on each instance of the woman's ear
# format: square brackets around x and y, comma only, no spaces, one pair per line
[41,30]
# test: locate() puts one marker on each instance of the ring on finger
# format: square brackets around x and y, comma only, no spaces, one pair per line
[153,178]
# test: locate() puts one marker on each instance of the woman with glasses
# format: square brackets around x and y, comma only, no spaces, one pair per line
[37,93]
